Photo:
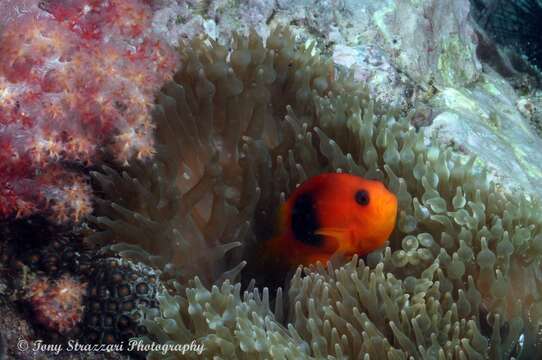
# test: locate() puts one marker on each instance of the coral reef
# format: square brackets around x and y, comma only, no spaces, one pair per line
[238,131]
[77,81]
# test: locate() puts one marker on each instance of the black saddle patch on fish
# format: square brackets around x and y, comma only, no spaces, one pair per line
[305,220]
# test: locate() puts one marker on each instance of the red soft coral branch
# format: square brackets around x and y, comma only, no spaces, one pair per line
[77,80]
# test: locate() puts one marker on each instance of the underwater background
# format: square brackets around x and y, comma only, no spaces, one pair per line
[147,149]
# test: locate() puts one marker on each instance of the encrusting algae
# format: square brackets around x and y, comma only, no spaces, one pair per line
[238,129]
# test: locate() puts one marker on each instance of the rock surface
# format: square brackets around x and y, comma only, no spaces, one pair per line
[484,119]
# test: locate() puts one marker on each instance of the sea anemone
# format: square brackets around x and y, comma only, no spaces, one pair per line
[202,194]
[241,127]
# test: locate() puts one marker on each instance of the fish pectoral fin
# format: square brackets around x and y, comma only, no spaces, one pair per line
[340,234]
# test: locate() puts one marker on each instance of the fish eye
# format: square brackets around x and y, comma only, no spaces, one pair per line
[362,197]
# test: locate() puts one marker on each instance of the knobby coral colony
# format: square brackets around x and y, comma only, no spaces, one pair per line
[238,129]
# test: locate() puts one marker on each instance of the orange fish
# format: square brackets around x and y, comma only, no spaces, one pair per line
[332,213]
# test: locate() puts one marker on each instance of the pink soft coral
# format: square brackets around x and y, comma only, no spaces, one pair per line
[77,81]
[58,305]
